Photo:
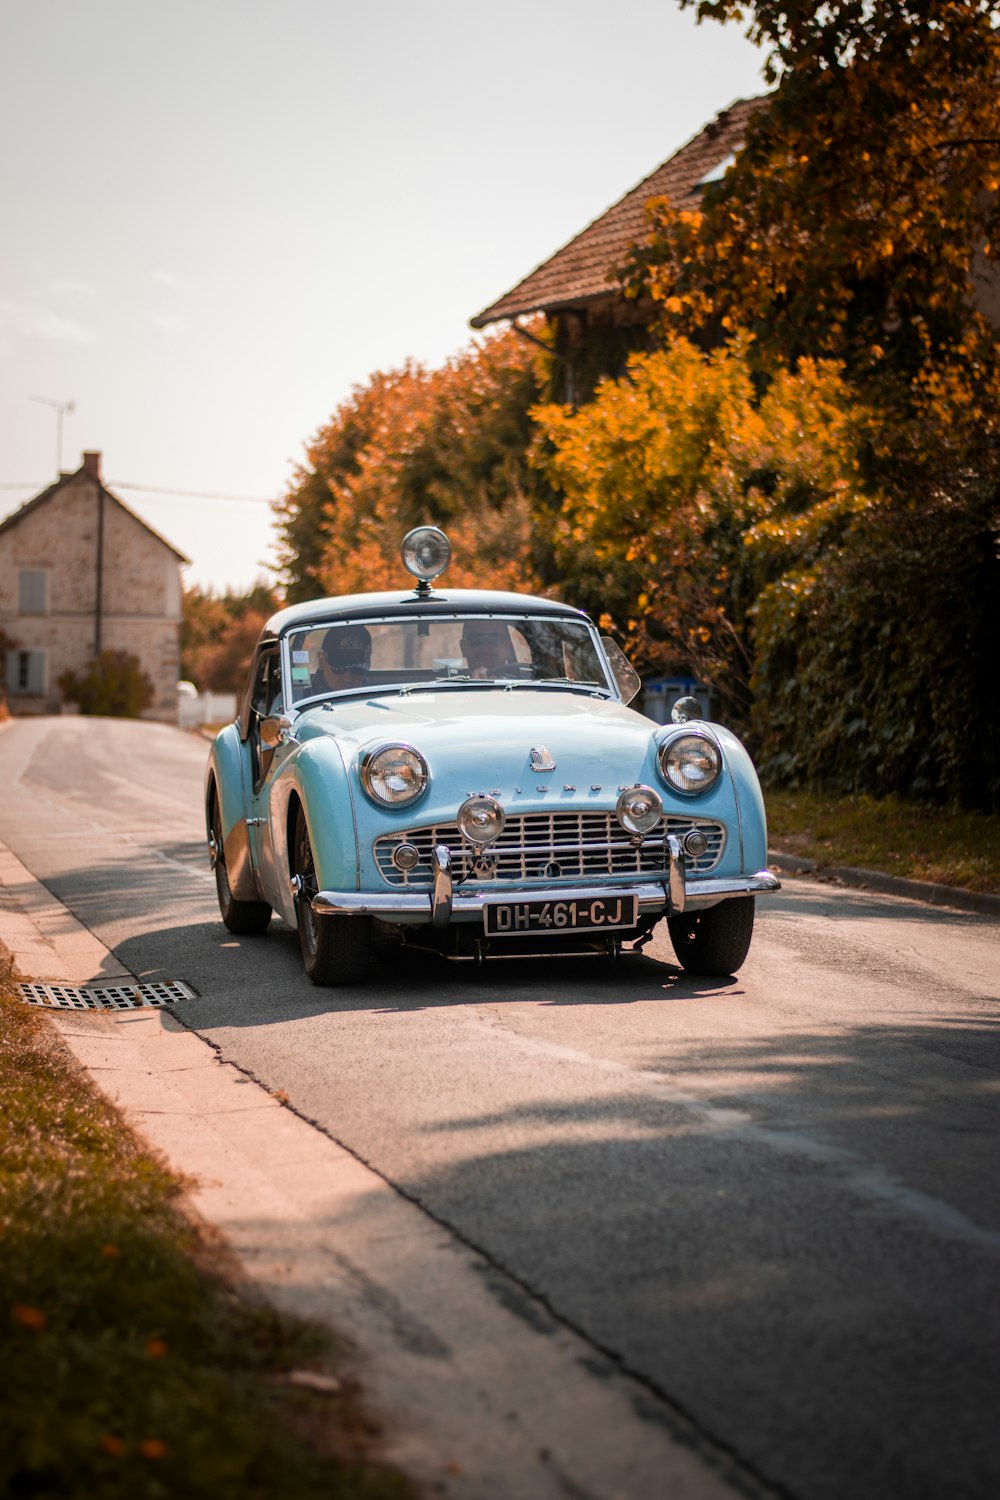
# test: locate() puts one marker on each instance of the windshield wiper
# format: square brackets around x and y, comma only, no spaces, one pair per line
[565,684]
[431,684]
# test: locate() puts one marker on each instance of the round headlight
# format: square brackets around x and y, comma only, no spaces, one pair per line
[426,552]
[394,775]
[481,819]
[690,763]
[639,809]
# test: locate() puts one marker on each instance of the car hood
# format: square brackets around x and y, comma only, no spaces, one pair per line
[487,736]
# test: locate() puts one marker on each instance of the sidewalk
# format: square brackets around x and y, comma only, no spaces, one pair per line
[481,1392]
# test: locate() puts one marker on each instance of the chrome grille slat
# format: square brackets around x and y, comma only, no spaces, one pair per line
[582,843]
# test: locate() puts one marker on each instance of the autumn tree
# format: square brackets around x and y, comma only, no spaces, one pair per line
[445,446]
[858,224]
[859,219]
[685,494]
[219,633]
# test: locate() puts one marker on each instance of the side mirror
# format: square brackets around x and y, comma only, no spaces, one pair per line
[275,730]
[627,679]
[686,709]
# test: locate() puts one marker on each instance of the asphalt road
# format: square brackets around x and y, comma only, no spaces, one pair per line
[775,1200]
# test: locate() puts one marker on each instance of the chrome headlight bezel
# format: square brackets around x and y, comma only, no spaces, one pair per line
[373,775]
[696,749]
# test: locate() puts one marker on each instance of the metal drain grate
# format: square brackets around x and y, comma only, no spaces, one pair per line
[114,997]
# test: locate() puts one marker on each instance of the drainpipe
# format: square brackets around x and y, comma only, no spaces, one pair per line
[92,466]
[99,607]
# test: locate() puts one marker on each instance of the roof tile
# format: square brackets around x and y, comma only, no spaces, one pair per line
[580,271]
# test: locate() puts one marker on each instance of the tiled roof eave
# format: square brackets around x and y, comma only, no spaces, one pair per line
[525,309]
[53,489]
[602,245]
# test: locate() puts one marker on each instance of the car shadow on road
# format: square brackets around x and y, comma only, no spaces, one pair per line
[259,980]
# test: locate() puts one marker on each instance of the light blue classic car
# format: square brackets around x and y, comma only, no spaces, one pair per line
[458,769]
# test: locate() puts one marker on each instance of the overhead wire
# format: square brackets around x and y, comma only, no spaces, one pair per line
[152,489]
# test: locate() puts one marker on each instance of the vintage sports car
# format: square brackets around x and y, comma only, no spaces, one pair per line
[458,769]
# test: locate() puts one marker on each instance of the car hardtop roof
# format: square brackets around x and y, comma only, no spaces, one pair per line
[399,606]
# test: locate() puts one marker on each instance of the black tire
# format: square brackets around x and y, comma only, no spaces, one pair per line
[715,941]
[241,917]
[335,950]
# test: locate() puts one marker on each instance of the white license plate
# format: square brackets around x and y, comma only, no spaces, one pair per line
[591,914]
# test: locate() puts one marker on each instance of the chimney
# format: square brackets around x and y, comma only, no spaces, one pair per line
[92,465]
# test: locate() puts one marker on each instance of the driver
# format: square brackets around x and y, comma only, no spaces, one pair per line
[343,660]
[486,647]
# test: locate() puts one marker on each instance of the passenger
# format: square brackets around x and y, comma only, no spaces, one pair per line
[486,647]
[344,658]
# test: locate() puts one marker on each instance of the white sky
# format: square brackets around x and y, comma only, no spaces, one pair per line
[220,215]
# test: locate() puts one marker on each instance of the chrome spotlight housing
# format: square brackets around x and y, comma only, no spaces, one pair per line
[426,552]
[481,820]
[638,810]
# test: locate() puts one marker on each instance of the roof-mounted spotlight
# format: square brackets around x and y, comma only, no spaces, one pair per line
[426,552]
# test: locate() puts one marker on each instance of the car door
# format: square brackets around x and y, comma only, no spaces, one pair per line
[265,700]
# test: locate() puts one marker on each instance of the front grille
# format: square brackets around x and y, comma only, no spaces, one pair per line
[549,846]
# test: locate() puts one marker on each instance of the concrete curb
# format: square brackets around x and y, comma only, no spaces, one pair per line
[980,902]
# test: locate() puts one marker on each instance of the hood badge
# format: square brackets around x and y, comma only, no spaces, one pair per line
[541,760]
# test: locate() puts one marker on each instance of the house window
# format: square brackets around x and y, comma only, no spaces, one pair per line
[34,591]
[26,672]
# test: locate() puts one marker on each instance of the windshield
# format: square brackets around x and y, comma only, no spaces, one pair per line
[413,653]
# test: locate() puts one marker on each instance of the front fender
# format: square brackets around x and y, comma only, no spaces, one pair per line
[317,777]
[749,802]
[225,781]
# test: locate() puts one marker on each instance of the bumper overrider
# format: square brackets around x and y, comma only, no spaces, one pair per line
[445,903]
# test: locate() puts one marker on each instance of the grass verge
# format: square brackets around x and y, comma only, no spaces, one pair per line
[890,835]
[128,1367]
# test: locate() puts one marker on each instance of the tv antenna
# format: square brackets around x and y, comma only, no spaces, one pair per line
[61,408]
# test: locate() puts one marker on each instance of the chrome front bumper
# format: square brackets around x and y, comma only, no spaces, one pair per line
[444,904]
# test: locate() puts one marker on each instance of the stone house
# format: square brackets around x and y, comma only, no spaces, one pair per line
[80,573]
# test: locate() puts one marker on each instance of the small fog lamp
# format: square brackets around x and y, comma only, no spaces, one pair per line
[695,843]
[426,552]
[639,809]
[481,820]
[406,857]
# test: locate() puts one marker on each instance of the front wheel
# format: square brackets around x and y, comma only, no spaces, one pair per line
[715,941]
[241,917]
[335,950]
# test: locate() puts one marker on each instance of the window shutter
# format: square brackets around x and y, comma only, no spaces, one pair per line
[33,591]
[36,672]
[26,672]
